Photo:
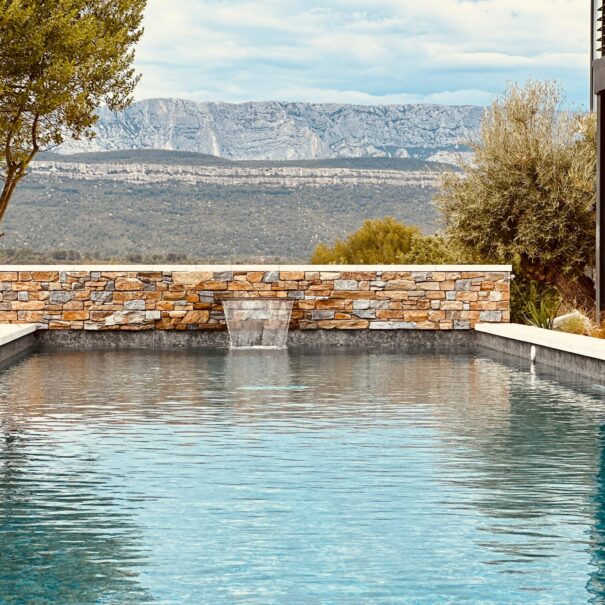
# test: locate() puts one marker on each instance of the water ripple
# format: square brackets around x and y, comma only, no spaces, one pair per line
[183,477]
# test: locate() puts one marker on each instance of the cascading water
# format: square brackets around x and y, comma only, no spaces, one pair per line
[258,323]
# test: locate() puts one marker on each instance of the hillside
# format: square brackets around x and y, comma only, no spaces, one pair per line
[124,204]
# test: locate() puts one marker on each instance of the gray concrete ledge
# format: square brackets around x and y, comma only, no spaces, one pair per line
[579,355]
[404,340]
[15,340]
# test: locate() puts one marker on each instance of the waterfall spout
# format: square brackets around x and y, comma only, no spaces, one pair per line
[258,323]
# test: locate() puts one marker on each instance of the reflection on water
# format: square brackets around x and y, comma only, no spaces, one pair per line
[249,477]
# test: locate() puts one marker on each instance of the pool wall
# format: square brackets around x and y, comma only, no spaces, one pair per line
[178,298]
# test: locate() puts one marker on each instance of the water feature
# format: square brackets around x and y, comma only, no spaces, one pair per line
[258,323]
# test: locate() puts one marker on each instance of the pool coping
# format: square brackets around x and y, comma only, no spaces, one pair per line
[582,355]
[12,332]
[15,340]
[584,346]
[261,267]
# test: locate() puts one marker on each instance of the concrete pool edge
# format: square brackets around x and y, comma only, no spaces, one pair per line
[580,355]
[16,340]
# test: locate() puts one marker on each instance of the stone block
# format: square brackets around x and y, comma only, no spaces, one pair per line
[255,277]
[45,276]
[213,285]
[128,284]
[392,325]
[463,285]
[271,277]
[462,324]
[352,324]
[191,278]
[401,284]
[101,297]
[365,314]
[75,315]
[60,325]
[32,305]
[323,314]
[196,317]
[491,316]
[126,317]
[345,284]
[27,286]
[134,305]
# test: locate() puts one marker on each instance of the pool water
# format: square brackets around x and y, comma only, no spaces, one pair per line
[298,477]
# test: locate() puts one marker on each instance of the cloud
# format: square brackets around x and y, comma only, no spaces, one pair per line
[361,51]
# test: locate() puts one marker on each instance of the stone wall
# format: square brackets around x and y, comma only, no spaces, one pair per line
[189,298]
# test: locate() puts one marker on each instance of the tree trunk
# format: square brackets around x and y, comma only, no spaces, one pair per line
[7,192]
[579,293]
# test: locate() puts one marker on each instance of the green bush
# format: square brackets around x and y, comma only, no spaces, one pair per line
[382,241]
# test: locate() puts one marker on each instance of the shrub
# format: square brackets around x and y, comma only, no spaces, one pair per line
[431,250]
[383,241]
[575,324]
[534,304]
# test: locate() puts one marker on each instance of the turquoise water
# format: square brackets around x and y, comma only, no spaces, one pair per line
[342,478]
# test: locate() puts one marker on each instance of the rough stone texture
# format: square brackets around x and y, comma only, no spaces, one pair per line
[161,299]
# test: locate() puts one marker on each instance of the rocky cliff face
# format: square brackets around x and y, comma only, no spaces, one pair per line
[283,131]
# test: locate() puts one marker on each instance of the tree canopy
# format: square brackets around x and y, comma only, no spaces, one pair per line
[59,61]
[528,195]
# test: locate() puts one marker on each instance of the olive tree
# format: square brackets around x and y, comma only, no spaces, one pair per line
[59,61]
[528,195]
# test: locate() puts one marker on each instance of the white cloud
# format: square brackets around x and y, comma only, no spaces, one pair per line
[361,51]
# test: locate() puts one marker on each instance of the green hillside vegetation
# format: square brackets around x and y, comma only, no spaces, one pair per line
[115,220]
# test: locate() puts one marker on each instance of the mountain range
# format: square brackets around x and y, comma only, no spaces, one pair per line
[171,178]
[284,131]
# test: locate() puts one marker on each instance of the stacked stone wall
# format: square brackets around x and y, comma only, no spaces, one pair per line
[327,298]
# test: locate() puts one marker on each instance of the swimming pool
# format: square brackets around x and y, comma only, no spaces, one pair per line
[184,477]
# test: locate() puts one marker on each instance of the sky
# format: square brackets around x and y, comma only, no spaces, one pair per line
[361,51]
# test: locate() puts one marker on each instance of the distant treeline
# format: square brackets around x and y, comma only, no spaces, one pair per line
[29,256]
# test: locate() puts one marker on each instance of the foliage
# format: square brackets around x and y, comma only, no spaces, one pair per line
[59,61]
[534,304]
[575,324]
[27,256]
[381,241]
[434,250]
[528,196]
[598,331]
